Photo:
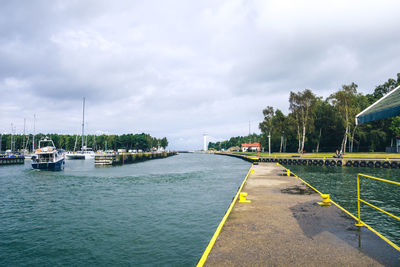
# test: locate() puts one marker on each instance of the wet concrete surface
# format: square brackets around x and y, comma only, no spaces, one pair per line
[284,225]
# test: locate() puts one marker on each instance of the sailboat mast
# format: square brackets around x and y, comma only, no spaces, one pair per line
[23,140]
[83,122]
[34,132]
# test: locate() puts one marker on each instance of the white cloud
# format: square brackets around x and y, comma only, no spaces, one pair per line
[182,68]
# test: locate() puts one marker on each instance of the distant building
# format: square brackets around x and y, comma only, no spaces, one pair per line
[254,147]
[234,148]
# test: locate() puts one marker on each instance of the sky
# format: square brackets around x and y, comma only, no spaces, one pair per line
[180,69]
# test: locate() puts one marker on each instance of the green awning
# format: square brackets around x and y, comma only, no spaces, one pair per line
[386,107]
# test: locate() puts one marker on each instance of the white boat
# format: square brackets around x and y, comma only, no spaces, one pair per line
[47,157]
[85,153]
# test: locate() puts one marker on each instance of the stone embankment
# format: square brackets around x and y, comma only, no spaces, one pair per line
[127,158]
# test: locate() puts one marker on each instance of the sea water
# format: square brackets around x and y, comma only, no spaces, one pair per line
[154,213]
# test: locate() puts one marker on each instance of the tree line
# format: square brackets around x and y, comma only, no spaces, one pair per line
[315,124]
[141,141]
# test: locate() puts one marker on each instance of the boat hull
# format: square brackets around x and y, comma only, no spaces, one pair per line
[75,156]
[80,156]
[49,166]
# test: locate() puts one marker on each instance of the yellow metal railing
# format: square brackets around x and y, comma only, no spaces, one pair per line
[360,222]
[359,201]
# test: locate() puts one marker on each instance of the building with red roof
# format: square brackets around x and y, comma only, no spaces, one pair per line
[253,147]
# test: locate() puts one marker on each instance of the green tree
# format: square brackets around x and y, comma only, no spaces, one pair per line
[301,105]
[266,125]
[345,102]
[279,122]
[164,142]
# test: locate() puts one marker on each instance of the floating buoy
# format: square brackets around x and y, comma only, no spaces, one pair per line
[349,163]
[363,164]
[339,163]
[378,164]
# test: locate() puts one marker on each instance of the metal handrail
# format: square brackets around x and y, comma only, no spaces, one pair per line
[359,200]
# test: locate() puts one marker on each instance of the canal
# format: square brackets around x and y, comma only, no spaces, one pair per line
[159,212]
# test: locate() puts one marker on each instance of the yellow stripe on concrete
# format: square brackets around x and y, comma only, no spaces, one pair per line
[216,234]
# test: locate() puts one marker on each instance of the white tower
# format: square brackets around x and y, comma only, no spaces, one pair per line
[205,142]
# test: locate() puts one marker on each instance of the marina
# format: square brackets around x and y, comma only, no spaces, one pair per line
[193,133]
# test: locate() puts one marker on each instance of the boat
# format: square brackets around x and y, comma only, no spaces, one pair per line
[47,157]
[85,152]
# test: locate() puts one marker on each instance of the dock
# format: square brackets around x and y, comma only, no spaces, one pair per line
[12,160]
[128,158]
[284,226]
[335,162]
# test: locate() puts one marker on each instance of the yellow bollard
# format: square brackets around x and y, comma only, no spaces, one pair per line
[242,198]
[326,201]
[277,163]
[288,172]
[387,158]
[252,170]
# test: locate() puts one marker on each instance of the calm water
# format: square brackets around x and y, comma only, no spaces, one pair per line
[341,184]
[159,212]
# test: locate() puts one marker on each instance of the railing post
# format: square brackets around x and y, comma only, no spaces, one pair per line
[359,223]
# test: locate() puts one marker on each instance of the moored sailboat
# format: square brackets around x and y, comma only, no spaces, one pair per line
[85,152]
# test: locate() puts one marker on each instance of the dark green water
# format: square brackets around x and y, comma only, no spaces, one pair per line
[154,213]
[341,184]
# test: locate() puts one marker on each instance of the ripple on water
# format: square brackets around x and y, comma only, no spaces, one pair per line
[159,212]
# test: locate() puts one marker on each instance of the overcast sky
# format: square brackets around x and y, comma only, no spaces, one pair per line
[183,68]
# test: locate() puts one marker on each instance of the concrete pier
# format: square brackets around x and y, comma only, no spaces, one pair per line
[12,160]
[127,158]
[284,226]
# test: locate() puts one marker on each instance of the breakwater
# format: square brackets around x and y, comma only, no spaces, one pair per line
[281,225]
[127,158]
[334,162]
[251,159]
[12,160]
